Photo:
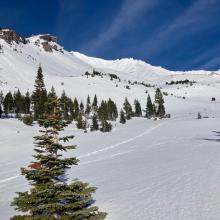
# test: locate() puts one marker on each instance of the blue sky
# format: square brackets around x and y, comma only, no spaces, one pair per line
[175,34]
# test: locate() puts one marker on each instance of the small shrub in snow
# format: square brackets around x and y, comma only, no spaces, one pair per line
[28,119]
[127,87]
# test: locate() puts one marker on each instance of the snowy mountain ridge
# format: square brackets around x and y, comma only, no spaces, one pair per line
[20,57]
[18,53]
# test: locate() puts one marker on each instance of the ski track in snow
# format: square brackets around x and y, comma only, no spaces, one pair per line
[148,131]
[9,179]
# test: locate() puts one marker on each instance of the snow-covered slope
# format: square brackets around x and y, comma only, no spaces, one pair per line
[19,62]
[144,170]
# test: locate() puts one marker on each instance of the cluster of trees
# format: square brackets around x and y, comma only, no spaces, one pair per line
[153,109]
[91,116]
[16,103]
[186,81]
[94,116]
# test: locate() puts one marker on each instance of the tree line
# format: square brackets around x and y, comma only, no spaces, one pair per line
[89,116]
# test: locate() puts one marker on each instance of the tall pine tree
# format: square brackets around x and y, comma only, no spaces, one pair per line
[122,117]
[8,104]
[39,96]
[150,111]
[159,104]
[51,196]
[137,106]
[95,124]
[128,109]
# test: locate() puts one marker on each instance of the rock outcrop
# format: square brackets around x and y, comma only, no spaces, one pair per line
[11,36]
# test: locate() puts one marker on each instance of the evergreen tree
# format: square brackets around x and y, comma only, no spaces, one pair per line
[159,104]
[51,196]
[75,109]
[103,111]
[80,123]
[8,103]
[138,111]
[128,109]
[88,107]
[112,110]
[95,103]
[81,106]
[122,117]
[103,116]
[65,105]
[105,126]
[95,125]
[50,105]
[1,111]
[1,98]
[39,96]
[150,108]
[52,94]
[1,103]
[18,104]
[199,115]
[27,103]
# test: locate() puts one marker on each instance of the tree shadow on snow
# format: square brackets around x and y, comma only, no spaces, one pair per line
[216,134]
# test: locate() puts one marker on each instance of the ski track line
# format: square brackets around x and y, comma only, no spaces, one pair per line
[148,131]
[9,179]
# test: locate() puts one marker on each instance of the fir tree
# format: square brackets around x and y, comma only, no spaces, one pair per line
[75,109]
[159,104]
[122,117]
[80,123]
[50,105]
[51,196]
[105,126]
[88,107]
[18,102]
[95,103]
[66,102]
[95,125]
[150,109]
[199,115]
[138,111]
[39,96]
[102,111]
[112,110]
[1,98]
[128,109]
[8,103]
[27,103]
[81,106]
[1,111]
[103,116]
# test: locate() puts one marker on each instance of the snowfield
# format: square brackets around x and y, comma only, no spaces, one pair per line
[166,169]
[145,170]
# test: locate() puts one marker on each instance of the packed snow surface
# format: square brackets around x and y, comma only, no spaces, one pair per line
[157,170]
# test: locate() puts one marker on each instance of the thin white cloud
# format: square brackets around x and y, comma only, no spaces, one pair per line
[126,18]
[212,63]
[196,18]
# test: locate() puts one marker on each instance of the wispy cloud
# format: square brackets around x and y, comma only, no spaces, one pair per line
[212,63]
[205,57]
[125,19]
[195,19]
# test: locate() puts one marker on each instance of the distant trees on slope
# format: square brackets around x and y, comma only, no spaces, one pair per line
[89,116]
